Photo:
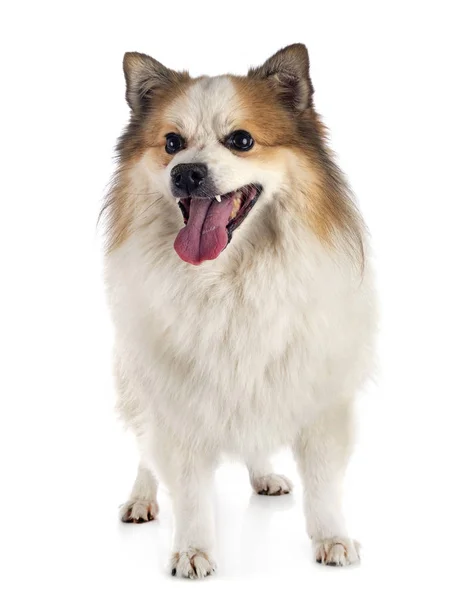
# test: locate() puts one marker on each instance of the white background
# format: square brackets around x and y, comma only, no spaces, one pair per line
[391,80]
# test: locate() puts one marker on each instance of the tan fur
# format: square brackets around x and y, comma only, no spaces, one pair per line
[124,205]
[325,204]
[326,207]
[266,120]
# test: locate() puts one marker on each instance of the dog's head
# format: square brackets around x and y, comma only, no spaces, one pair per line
[217,146]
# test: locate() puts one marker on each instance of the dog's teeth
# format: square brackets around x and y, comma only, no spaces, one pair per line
[177,200]
[218,198]
[235,207]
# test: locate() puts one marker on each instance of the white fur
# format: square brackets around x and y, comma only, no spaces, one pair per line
[142,505]
[265,346]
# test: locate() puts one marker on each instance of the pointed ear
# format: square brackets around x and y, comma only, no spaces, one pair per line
[144,75]
[289,70]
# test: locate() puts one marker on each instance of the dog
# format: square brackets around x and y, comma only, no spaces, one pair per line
[238,274]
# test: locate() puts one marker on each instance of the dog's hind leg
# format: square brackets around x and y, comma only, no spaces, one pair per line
[142,505]
[263,480]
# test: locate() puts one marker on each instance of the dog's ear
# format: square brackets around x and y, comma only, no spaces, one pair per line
[289,70]
[144,75]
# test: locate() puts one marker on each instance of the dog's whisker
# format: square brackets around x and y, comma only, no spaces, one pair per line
[151,205]
[146,194]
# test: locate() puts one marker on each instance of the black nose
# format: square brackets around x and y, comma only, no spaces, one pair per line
[188,177]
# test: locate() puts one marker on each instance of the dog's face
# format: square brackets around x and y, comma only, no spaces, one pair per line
[213,161]
[217,146]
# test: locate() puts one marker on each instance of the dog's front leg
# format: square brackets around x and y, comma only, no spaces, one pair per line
[191,489]
[322,452]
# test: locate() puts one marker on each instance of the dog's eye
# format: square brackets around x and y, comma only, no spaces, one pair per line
[174,143]
[240,140]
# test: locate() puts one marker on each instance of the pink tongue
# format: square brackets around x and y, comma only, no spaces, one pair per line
[205,235]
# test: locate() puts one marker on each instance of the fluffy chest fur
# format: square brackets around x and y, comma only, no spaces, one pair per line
[248,347]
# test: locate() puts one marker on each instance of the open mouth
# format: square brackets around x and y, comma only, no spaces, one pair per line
[210,223]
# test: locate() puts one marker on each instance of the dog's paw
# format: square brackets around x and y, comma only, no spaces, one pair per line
[337,552]
[271,485]
[192,563]
[138,511]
